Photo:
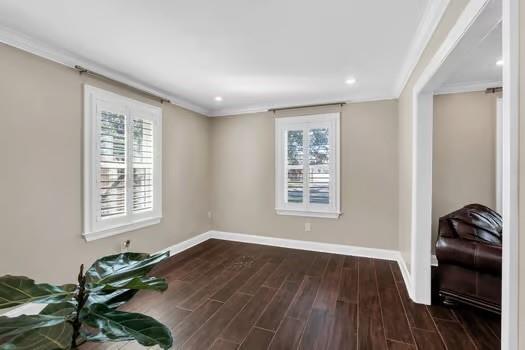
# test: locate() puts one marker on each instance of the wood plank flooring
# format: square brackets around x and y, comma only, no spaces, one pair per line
[230,295]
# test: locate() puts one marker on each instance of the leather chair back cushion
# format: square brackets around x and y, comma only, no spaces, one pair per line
[477,223]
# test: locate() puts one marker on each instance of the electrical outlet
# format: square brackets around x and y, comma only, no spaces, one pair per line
[124,246]
[307,227]
[210,215]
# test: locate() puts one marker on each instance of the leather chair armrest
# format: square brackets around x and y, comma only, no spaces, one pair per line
[470,254]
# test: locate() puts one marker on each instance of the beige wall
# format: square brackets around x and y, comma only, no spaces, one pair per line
[464,164]
[41,172]
[450,17]
[243,162]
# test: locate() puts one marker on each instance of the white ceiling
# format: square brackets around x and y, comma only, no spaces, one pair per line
[477,69]
[255,54]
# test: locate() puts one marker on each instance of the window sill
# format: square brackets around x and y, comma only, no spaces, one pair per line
[92,236]
[311,214]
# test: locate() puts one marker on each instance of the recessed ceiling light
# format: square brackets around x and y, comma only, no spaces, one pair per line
[218,99]
[499,63]
[350,81]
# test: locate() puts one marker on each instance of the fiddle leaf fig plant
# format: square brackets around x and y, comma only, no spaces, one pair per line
[86,311]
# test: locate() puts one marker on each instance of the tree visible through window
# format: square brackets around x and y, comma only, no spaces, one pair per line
[123,164]
[310,167]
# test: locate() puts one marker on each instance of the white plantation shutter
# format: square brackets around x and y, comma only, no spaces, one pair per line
[319,166]
[142,165]
[295,166]
[112,177]
[307,165]
[122,185]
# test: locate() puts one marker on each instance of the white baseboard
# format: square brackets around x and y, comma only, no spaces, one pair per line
[405,272]
[375,253]
[33,308]
[187,244]
[384,254]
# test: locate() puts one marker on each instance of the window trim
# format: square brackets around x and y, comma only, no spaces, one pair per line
[282,124]
[92,227]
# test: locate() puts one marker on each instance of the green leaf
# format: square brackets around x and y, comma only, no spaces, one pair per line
[54,337]
[65,309]
[112,299]
[18,290]
[121,267]
[119,326]
[17,325]
[152,283]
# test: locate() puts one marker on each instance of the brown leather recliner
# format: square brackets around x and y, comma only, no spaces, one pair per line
[468,251]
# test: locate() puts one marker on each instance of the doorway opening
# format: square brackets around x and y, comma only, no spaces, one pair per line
[479,19]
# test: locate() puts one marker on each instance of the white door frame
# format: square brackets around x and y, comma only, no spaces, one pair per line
[421,206]
[499,152]
[510,301]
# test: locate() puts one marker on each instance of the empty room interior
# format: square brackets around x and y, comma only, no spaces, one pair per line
[261,175]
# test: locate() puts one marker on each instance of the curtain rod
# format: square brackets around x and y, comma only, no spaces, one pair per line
[83,70]
[307,106]
[493,90]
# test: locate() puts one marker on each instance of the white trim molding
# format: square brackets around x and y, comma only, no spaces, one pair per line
[429,21]
[431,17]
[472,24]
[310,214]
[23,42]
[187,244]
[333,248]
[422,130]
[93,236]
[228,112]
[467,87]
[510,168]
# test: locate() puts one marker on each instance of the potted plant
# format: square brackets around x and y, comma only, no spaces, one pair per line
[86,311]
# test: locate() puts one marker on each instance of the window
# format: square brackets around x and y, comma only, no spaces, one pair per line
[122,164]
[307,165]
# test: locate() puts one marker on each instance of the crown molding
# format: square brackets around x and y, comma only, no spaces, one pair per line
[39,48]
[432,15]
[467,87]
[228,112]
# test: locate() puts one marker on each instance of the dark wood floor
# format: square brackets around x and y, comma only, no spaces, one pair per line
[229,295]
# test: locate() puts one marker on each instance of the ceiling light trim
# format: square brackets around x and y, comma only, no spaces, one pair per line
[66,58]
[432,15]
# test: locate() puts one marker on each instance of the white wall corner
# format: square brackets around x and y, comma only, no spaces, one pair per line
[431,17]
